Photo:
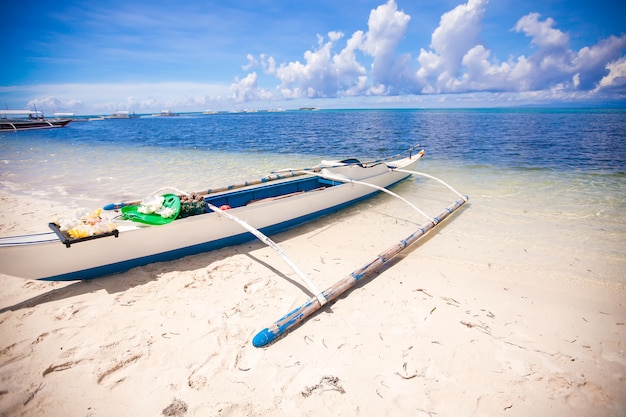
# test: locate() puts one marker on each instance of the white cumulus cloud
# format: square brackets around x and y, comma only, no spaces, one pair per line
[247,89]
[322,74]
[387,27]
[616,79]
[455,36]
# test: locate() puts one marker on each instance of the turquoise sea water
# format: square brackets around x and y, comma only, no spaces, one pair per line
[552,170]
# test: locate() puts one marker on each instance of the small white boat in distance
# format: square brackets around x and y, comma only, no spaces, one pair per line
[67,115]
[123,114]
[165,113]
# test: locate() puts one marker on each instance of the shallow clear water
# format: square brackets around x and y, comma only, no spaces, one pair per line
[551,170]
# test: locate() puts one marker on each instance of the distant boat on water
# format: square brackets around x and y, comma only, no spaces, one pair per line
[11,120]
[125,114]
[64,115]
[165,113]
[68,115]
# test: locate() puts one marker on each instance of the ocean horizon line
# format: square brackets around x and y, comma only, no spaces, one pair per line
[539,108]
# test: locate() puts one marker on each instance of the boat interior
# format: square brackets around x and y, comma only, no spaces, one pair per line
[273,191]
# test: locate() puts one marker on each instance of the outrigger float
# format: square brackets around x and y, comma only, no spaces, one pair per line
[169,226]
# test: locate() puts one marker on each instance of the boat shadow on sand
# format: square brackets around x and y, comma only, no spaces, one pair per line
[121,282]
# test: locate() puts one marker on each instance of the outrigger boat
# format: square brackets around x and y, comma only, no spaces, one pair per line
[168,226]
[28,120]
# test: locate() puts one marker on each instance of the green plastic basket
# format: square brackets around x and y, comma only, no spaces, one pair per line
[172,201]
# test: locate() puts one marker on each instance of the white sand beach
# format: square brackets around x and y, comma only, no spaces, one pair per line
[512,308]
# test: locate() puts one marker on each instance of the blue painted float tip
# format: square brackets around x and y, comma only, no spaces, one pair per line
[263,337]
[113,206]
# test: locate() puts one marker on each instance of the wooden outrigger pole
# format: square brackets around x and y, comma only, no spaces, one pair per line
[297,316]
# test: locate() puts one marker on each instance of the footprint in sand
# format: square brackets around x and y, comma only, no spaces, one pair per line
[560,382]
[128,359]
[584,394]
[243,361]
[254,285]
[199,377]
[594,393]
[613,352]
[67,312]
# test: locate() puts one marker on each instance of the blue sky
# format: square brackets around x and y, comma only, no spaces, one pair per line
[144,56]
